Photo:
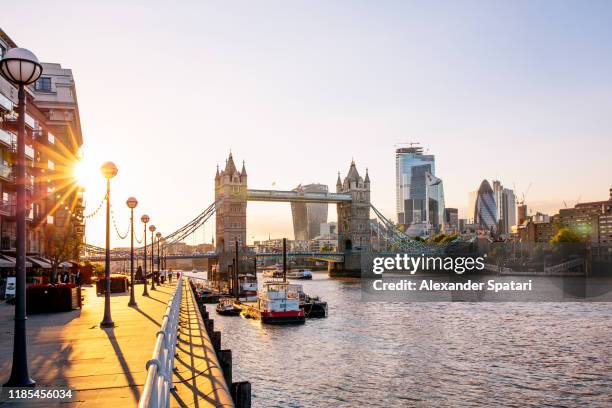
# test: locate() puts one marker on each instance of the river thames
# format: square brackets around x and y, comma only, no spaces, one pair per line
[425,354]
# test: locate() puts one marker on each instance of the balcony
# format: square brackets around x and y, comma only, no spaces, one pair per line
[30,121]
[29,152]
[7,208]
[6,138]
[29,185]
[6,103]
[6,172]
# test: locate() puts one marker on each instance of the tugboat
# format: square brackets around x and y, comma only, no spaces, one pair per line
[227,307]
[300,274]
[313,306]
[277,303]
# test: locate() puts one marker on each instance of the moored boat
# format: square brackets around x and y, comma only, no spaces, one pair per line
[277,303]
[273,273]
[227,307]
[248,285]
[300,274]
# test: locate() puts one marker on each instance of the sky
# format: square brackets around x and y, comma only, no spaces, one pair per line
[517,91]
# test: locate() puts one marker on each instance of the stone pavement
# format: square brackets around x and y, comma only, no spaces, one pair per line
[106,367]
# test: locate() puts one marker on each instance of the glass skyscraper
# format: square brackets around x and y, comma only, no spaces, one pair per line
[410,168]
[308,217]
[485,209]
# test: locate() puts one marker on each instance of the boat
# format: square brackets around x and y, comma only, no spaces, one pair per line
[227,307]
[277,303]
[273,273]
[248,284]
[313,306]
[300,274]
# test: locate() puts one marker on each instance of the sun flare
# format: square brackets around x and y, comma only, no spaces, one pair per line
[85,172]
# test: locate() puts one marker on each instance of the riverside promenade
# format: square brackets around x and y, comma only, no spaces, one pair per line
[106,367]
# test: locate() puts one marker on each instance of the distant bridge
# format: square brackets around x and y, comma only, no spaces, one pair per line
[322,256]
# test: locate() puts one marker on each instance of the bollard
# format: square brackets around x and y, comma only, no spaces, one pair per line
[205,316]
[241,394]
[210,326]
[225,361]
[215,339]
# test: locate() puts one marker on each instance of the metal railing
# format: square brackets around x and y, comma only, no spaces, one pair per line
[160,367]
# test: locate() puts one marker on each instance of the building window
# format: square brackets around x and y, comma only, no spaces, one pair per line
[43,84]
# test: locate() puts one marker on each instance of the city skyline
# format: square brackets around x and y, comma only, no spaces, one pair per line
[529,92]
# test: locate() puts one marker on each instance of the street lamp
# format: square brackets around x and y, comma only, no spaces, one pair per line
[145,219]
[132,203]
[158,235]
[152,229]
[20,67]
[109,170]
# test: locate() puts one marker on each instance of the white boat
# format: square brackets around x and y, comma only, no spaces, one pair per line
[277,302]
[300,274]
[248,284]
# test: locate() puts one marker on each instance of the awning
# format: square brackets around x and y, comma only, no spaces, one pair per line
[38,262]
[5,263]
[66,264]
[13,261]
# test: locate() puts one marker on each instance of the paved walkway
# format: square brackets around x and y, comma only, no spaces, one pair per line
[106,367]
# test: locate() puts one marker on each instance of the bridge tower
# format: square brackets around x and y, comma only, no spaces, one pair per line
[231,187]
[354,216]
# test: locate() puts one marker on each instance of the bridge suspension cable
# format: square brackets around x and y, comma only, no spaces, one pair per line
[399,240]
[181,233]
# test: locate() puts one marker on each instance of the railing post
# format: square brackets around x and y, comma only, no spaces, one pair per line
[225,361]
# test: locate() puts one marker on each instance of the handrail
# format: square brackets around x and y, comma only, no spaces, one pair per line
[156,391]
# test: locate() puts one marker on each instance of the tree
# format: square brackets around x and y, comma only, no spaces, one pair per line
[565,235]
[61,245]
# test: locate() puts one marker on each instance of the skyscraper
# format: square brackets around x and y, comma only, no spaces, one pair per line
[505,201]
[308,217]
[485,210]
[411,166]
[508,211]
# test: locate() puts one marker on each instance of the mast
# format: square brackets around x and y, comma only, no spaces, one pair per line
[284,259]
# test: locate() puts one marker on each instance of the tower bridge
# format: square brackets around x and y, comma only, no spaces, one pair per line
[352,199]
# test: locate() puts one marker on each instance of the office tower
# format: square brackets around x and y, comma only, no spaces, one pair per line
[508,211]
[308,217]
[411,166]
[485,211]
[451,220]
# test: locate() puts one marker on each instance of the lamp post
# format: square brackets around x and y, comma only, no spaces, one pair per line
[152,229]
[132,203]
[158,235]
[145,219]
[20,67]
[109,170]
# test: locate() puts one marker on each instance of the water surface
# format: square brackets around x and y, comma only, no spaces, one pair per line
[425,354]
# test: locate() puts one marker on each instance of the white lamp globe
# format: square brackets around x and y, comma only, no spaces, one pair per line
[20,66]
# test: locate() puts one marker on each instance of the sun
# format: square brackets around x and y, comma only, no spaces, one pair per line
[85,173]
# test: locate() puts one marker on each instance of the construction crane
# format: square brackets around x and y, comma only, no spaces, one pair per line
[523,195]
